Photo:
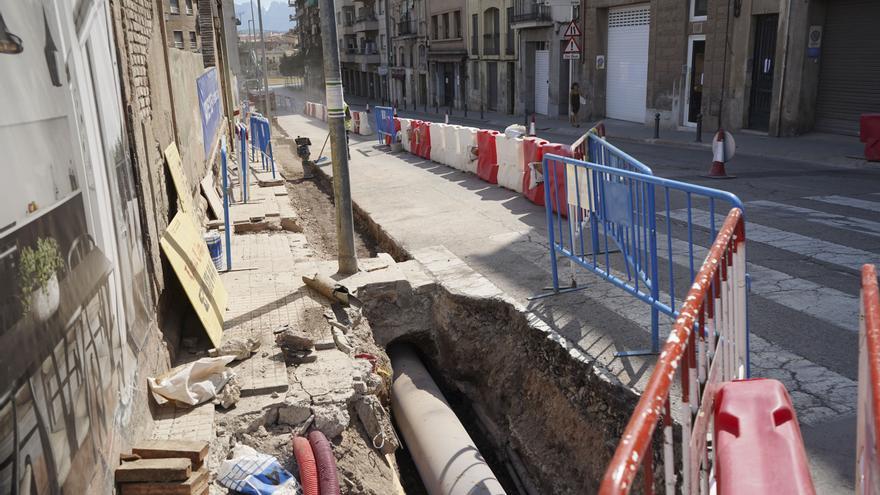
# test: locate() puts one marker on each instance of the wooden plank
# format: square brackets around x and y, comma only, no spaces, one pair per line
[196,484]
[194,450]
[214,200]
[178,469]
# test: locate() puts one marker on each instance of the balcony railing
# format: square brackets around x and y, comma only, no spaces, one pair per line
[529,11]
[407,28]
[491,44]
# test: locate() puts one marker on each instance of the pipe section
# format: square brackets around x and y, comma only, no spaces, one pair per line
[305,459]
[328,479]
[445,455]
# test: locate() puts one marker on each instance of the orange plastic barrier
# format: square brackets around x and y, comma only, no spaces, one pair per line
[487,158]
[533,186]
[759,449]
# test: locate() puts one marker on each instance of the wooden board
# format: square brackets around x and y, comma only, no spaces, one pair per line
[194,450]
[184,193]
[185,249]
[154,470]
[214,200]
[196,484]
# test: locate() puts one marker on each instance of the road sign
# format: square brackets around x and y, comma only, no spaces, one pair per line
[572,31]
[572,48]
[571,56]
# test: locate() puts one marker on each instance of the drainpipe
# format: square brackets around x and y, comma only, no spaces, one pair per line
[445,455]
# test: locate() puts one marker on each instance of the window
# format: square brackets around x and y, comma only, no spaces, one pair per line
[193,44]
[178,39]
[434,30]
[510,41]
[175,7]
[446,26]
[491,36]
[699,9]
[382,41]
[456,17]
[189,7]
[402,60]
[475,35]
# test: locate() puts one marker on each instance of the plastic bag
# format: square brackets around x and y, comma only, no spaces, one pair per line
[253,473]
[192,383]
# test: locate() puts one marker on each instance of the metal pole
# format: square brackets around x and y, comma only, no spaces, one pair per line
[338,147]
[265,71]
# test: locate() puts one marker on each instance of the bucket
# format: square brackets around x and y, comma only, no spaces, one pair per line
[215,249]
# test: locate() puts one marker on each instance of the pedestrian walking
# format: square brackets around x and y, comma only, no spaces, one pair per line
[574,104]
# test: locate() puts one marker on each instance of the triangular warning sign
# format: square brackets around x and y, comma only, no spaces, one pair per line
[572,31]
[572,47]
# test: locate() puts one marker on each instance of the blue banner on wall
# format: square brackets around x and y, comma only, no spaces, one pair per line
[210,106]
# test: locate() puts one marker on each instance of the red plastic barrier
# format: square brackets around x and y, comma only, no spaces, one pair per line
[759,449]
[487,157]
[413,136]
[869,133]
[423,148]
[532,153]
[559,196]
[355,122]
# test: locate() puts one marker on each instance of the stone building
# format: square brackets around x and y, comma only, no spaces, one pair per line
[492,47]
[777,66]
[409,53]
[447,52]
[308,28]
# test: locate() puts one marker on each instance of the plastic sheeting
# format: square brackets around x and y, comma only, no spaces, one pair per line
[510,162]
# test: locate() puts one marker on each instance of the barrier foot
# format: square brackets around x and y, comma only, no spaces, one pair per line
[555,292]
[646,352]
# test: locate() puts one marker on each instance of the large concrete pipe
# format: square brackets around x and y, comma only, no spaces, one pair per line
[445,455]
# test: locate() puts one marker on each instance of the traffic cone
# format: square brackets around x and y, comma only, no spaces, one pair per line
[532,126]
[717,171]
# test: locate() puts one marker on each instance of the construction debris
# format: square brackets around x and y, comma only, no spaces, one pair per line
[237,347]
[331,289]
[377,423]
[254,473]
[194,450]
[154,470]
[192,383]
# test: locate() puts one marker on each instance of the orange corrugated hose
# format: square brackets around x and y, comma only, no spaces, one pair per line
[305,459]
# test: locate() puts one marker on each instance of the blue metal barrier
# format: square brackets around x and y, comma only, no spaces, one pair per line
[243,161]
[592,209]
[224,172]
[385,123]
[602,152]
[261,142]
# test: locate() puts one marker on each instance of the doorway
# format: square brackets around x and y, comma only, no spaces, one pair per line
[448,85]
[694,90]
[542,81]
[492,86]
[763,66]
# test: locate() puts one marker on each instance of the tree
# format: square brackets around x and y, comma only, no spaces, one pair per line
[291,65]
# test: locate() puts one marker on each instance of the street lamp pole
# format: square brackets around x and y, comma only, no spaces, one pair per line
[338,146]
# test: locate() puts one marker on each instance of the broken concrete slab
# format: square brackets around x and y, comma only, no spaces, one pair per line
[332,419]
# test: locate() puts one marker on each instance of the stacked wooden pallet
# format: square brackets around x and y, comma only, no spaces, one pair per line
[167,467]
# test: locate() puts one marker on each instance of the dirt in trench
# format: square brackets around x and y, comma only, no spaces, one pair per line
[314,203]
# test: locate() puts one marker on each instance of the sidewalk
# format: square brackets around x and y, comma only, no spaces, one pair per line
[816,148]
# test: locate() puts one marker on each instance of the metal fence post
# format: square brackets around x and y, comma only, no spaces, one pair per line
[228,235]
[554,270]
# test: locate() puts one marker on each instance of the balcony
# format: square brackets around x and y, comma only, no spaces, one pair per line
[366,22]
[366,55]
[491,44]
[529,14]
[407,27]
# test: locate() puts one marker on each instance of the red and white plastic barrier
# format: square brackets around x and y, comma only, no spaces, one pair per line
[421,137]
[450,146]
[405,131]
[356,122]
[533,180]
[467,141]
[487,158]
[755,422]
[510,162]
[559,197]
[364,127]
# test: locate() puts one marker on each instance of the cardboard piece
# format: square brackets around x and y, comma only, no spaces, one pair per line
[182,243]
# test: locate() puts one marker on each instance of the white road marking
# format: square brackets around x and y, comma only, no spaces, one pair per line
[861,204]
[828,252]
[853,224]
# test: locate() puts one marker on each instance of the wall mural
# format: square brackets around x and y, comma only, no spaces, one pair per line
[74,297]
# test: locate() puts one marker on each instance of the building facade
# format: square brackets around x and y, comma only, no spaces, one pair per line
[409,53]
[447,53]
[492,49]
[543,74]
[777,66]
[182,24]
[363,46]
[308,29]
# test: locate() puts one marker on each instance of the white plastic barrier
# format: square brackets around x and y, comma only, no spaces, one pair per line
[510,162]
[467,143]
[439,150]
[365,128]
[404,134]
[450,137]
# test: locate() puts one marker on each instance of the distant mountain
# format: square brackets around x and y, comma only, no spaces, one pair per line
[276,15]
